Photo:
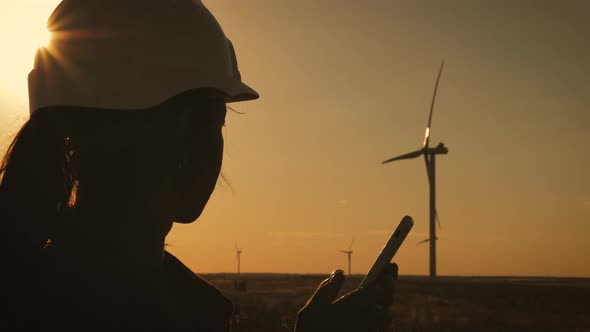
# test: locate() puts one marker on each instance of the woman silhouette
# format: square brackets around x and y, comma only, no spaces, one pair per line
[124,138]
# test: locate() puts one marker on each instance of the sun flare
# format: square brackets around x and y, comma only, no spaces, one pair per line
[42,38]
[23,30]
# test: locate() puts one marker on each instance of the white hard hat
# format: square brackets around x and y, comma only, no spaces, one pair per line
[132,54]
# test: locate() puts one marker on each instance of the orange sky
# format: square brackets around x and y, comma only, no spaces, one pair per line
[347,84]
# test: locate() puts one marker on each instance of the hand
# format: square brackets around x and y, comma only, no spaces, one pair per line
[364,309]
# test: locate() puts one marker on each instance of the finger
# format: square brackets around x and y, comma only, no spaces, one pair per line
[386,283]
[327,291]
[359,300]
[389,271]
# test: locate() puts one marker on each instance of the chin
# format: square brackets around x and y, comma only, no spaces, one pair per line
[187,216]
[190,205]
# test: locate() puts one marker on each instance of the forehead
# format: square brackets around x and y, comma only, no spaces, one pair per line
[197,113]
[199,104]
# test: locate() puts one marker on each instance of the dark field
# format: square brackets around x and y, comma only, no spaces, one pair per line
[271,302]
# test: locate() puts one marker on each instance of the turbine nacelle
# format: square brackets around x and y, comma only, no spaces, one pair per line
[439,149]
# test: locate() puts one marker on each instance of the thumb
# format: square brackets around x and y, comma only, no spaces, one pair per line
[327,291]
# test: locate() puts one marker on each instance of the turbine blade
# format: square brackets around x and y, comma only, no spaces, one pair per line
[350,246]
[427,135]
[436,217]
[405,156]
[423,241]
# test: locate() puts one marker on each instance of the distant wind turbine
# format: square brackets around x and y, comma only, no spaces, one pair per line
[349,253]
[429,158]
[238,255]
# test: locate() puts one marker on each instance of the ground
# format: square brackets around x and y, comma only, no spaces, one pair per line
[269,302]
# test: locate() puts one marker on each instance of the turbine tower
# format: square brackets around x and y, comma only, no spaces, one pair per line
[429,159]
[349,253]
[238,255]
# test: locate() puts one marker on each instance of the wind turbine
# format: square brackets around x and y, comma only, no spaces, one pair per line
[429,158]
[349,253]
[238,255]
[239,284]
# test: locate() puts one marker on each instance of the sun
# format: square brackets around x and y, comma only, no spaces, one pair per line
[41,38]
[23,30]
[35,36]
[19,55]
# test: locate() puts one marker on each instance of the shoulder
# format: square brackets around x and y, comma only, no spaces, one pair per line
[194,291]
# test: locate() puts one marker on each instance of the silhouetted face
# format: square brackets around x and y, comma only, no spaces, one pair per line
[200,154]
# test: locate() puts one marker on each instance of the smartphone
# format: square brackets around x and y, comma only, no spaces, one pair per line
[386,255]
